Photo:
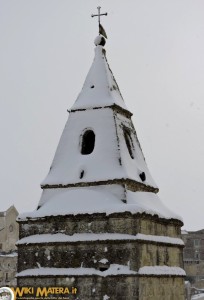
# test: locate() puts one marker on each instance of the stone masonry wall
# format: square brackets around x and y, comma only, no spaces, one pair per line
[100,223]
[116,287]
[161,288]
[132,253]
[159,255]
[74,255]
[92,287]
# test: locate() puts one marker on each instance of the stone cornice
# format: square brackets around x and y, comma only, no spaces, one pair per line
[114,107]
[132,185]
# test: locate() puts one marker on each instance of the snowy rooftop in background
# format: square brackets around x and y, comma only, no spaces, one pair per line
[100,88]
[90,200]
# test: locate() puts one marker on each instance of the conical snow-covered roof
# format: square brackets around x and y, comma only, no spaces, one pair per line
[99,166]
[116,153]
[100,88]
[110,158]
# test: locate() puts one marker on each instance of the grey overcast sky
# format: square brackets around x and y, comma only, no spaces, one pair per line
[155,50]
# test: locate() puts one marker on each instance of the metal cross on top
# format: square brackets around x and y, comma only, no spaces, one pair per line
[101,29]
[99,15]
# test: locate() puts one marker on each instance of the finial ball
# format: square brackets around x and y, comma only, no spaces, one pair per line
[100,40]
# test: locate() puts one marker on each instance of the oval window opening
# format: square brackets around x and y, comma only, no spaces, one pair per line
[88,142]
[128,141]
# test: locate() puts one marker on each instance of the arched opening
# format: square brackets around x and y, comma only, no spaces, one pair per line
[103,268]
[128,141]
[88,142]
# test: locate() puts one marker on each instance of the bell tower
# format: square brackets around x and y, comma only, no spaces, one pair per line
[100,225]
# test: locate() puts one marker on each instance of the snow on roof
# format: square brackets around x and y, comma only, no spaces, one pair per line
[110,159]
[161,270]
[60,237]
[114,269]
[89,201]
[100,88]
[103,163]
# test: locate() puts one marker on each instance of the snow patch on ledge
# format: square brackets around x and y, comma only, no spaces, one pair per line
[13,254]
[161,270]
[81,237]
[114,269]
[160,239]
[88,201]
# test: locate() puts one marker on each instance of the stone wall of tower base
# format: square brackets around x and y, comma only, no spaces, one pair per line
[161,288]
[114,223]
[126,287]
[90,287]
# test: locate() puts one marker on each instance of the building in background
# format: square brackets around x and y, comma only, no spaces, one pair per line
[193,255]
[8,255]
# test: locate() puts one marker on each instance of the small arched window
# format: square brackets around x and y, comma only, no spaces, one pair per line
[88,142]
[128,141]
